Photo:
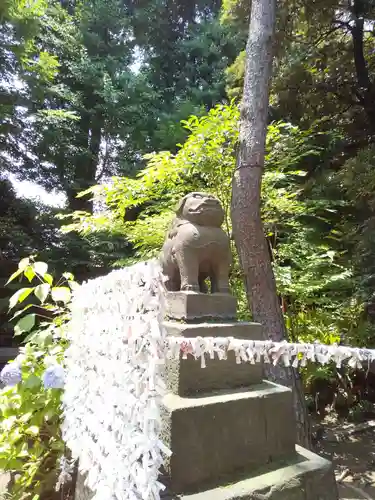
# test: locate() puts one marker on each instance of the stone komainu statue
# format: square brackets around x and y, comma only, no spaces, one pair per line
[196,247]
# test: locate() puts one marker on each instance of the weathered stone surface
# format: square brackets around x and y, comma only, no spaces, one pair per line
[306,477]
[279,417]
[82,492]
[216,437]
[239,329]
[189,306]
[185,377]
[196,247]
[4,484]
[8,354]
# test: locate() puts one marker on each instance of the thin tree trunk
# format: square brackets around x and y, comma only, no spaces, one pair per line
[246,199]
[365,87]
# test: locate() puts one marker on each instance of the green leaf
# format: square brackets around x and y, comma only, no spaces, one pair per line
[19,296]
[73,285]
[33,430]
[40,268]
[331,255]
[23,453]
[40,337]
[32,337]
[14,275]
[25,417]
[48,278]
[68,276]
[31,382]
[23,263]
[25,324]
[14,464]
[61,294]
[42,291]
[18,313]
[29,273]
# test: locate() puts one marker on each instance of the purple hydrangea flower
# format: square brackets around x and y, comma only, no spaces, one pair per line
[11,374]
[54,377]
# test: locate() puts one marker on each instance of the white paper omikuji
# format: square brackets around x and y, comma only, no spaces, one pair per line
[114,383]
[114,377]
[254,351]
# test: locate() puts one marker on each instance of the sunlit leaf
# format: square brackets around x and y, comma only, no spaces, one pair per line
[33,430]
[29,273]
[19,296]
[18,313]
[61,294]
[25,324]
[31,382]
[42,291]
[73,285]
[14,275]
[48,278]
[40,268]
[41,337]
[23,263]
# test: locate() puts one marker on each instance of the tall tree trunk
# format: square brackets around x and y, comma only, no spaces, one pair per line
[365,91]
[86,164]
[246,198]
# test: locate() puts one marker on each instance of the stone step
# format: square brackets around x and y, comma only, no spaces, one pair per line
[185,377]
[8,354]
[306,477]
[215,437]
[192,306]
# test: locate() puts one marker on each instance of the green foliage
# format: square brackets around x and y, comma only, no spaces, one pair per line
[30,436]
[93,91]
[234,76]
[206,161]
[27,18]
[100,85]
[96,116]
[26,68]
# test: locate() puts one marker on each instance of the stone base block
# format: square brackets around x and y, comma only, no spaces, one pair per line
[192,306]
[82,492]
[214,438]
[8,354]
[185,377]
[306,477]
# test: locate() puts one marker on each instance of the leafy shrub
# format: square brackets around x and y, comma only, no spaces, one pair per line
[30,405]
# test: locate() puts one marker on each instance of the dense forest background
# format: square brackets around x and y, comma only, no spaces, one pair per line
[135,103]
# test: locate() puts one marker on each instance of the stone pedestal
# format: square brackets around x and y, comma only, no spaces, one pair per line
[186,377]
[231,433]
[191,306]
[305,476]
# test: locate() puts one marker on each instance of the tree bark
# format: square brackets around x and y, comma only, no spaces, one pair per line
[86,166]
[246,199]
[365,91]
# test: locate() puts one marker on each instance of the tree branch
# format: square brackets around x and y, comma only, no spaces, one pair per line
[343,24]
[105,161]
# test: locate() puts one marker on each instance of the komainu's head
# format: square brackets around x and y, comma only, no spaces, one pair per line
[202,209]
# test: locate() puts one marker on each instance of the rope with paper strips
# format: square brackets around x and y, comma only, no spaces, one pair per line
[268,351]
[114,379]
